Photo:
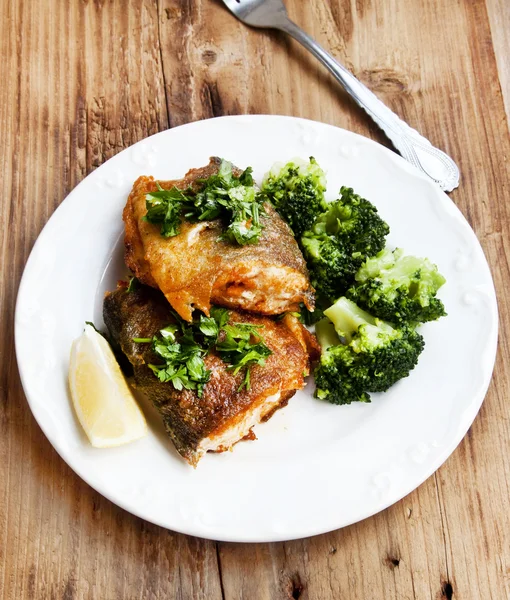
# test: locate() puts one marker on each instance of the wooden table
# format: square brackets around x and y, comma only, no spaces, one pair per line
[83,79]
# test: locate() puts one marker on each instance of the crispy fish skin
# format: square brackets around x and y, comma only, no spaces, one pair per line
[223,415]
[134,255]
[196,268]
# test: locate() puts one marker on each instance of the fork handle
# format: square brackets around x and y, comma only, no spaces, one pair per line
[412,146]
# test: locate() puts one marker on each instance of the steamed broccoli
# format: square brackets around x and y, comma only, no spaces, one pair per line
[399,288]
[342,238]
[308,317]
[361,354]
[331,267]
[296,190]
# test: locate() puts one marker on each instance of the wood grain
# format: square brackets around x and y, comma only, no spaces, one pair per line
[84,79]
[499,18]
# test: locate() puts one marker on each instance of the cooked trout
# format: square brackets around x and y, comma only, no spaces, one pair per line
[196,268]
[223,415]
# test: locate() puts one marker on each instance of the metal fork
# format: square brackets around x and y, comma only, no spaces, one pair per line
[411,145]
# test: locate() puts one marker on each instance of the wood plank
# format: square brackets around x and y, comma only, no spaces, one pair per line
[385,552]
[499,18]
[87,79]
[85,82]
[473,484]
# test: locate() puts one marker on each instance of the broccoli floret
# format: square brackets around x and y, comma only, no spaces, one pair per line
[367,355]
[342,238]
[399,288]
[356,223]
[331,267]
[331,382]
[296,190]
[308,317]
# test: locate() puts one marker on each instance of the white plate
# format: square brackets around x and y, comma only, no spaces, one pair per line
[315,467]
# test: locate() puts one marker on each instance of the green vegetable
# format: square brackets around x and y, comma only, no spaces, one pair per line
[220,315]
[223,195]
[296,190]
[93,327]
[308,317]
[164,207]
[208,326]
[183,364]
[182,348]
[399,288]
[342,238]
[169,332]
[367,354]
[331,266]
[133,284]
[240,352]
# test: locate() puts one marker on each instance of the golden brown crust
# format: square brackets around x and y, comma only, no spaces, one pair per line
[134,252]
[196,268]
[188,418]
[305,337]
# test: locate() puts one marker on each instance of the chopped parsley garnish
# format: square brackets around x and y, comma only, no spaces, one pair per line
[183,361]
[93,327]
[133,284]
[164,207]
[208,326]
[224,195]
[183,347]
[239,352]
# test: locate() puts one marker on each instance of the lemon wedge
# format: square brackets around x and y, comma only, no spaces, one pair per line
[102,399]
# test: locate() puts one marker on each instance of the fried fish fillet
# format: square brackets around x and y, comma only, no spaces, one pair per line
[196,268]
[223,415]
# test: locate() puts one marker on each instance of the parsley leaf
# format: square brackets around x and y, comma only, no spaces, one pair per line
[196,368]
[183,360]
[245,227]
[182,348]
[239,352]
[168,333]
[164,207]
[133,284]
[208,326]
[223,195]
[220,315]
[93,327]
